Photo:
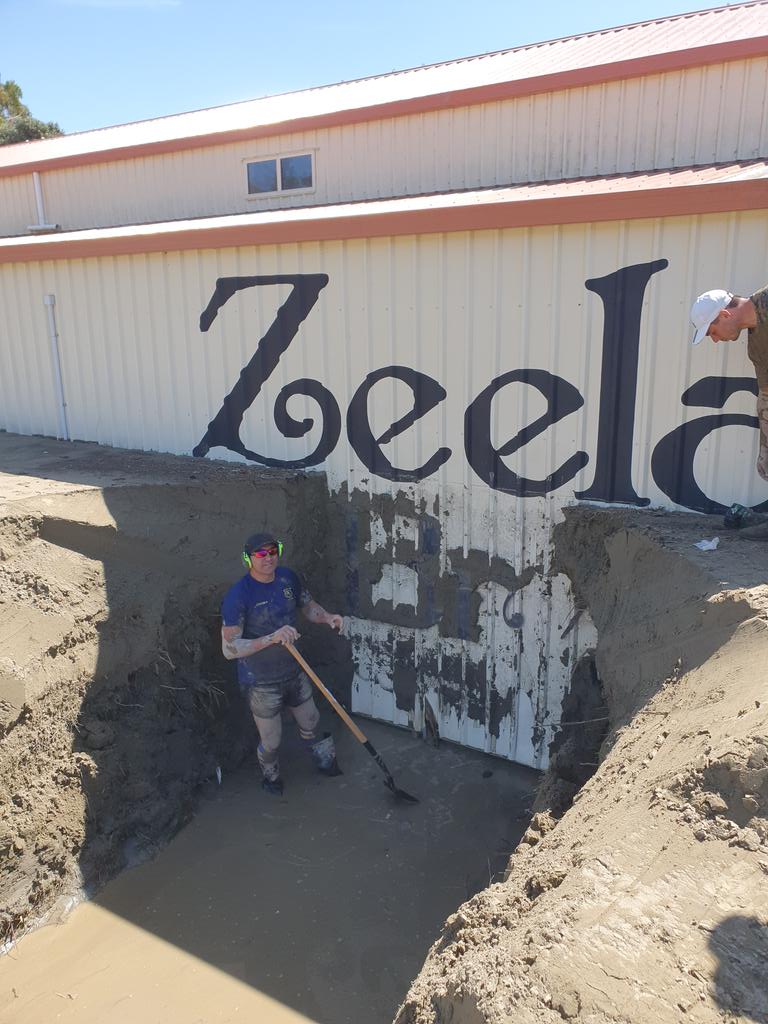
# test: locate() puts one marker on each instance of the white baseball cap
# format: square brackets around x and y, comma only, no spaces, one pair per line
[707,308]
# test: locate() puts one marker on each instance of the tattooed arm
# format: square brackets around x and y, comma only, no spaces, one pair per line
[233,646]
[315,613]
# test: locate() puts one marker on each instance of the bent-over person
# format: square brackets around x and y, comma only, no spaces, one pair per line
[722,316]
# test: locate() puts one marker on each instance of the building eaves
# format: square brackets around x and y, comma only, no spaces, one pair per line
[721,188]
[689,40]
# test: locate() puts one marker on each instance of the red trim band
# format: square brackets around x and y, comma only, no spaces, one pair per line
[645,203]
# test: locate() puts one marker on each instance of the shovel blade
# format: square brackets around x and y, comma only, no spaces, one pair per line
[389,782]
[401,794]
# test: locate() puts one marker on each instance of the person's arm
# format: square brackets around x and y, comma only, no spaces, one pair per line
[315,613]
[233,646]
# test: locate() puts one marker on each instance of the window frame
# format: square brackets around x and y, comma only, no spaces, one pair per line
[277,157]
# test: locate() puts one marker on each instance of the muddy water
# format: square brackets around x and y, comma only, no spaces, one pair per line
[319,906]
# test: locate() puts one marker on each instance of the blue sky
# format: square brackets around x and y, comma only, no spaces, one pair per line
[91,63]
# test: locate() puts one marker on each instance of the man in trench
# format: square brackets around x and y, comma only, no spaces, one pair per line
[258,619]
[722,316]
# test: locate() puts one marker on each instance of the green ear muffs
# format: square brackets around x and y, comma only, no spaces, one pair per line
[247,557]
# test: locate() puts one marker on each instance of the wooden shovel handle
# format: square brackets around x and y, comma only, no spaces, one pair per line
[358,733]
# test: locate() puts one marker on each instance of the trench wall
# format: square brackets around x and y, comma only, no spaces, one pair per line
[116,704]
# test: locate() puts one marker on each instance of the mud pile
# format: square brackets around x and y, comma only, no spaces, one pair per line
[115,704]
[647,901]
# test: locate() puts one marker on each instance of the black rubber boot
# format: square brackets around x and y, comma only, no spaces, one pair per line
[273,786]
[324,755]
[270,768]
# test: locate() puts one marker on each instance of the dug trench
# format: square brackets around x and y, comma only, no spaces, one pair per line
[637,892]
[120,715]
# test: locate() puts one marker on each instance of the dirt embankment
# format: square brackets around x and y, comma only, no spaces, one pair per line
[115,705]
[648,900]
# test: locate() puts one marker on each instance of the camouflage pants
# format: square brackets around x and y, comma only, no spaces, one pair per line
[762,415]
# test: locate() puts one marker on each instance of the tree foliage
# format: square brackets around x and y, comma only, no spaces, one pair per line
[16,121]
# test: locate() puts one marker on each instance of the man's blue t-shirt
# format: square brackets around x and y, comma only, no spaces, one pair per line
[261,608]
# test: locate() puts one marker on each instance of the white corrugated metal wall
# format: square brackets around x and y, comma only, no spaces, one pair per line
[701,115]
[462,308]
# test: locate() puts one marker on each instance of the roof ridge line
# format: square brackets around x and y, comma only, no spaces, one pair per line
[540,44]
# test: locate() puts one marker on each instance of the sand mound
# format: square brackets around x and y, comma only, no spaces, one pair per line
[648,900]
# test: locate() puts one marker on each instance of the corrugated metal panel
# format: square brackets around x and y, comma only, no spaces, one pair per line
[700,116]
[680,33]
[497,653]
[17,205]
[26,368]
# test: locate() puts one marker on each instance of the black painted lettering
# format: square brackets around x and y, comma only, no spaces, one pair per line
[427,393]
[290,427]
[487,461]
[673,456]
[224,428]
[622,295]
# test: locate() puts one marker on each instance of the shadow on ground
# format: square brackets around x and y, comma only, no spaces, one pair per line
[740,944]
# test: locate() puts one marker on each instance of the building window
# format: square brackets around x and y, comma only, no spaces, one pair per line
[280,174]
[262,177]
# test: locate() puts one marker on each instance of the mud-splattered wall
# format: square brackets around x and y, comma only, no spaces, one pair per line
[479,647]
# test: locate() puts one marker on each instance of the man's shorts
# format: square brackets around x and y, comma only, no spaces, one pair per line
[268,699]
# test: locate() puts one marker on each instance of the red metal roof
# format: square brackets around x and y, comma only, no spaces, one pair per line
[710,36]
[699,190]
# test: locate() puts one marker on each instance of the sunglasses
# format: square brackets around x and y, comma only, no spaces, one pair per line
[270,551]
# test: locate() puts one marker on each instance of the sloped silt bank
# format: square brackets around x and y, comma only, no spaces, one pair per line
[646,901]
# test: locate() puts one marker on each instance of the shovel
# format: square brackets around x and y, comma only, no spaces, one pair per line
[359,735]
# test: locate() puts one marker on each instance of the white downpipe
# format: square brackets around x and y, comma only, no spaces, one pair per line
[39,198]
[42,226]
[53,334]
